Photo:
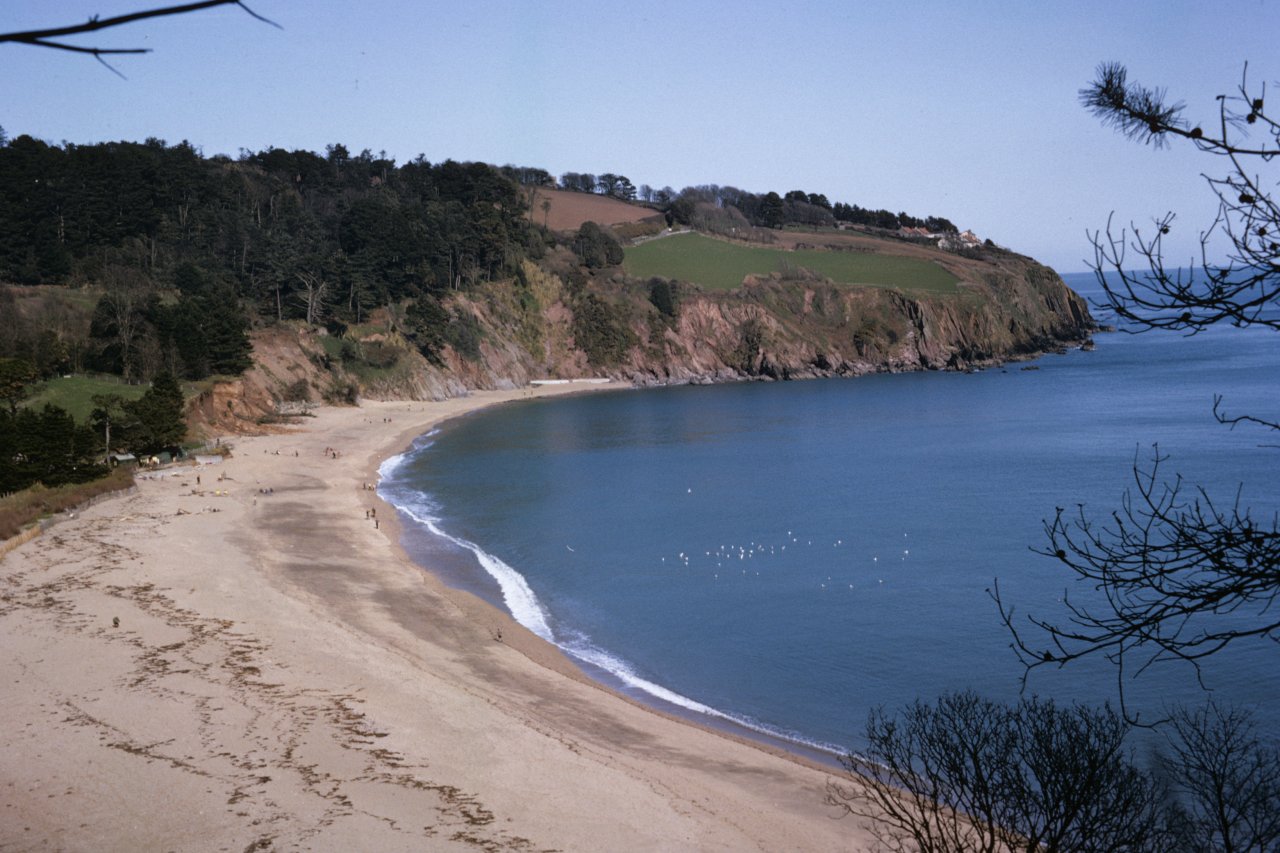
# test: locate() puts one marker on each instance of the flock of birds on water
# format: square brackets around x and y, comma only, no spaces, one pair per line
[724,555]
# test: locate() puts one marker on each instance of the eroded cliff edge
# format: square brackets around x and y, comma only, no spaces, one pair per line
[559,321]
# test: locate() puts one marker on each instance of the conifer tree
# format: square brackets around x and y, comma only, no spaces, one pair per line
[158,414]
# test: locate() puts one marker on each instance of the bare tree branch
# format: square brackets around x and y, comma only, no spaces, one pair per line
[43,38]
[1231,421]
[1245,290]
[969,774]
[1227,779]
[1172,574]
[1177,578]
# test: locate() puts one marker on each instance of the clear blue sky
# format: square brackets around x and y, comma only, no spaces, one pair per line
[965,110]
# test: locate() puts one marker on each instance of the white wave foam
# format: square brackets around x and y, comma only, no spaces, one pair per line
[391,464]
[584,650]
[518,597]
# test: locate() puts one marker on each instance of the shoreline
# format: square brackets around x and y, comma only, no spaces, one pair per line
[717,721]
[283,675]
[562,661]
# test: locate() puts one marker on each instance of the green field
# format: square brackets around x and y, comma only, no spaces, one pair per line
[720,265]
[75,393]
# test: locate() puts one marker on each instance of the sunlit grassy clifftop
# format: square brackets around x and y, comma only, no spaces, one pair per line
[721,265]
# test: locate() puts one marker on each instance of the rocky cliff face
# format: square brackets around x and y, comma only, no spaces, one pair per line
[788,330]
[1007,308]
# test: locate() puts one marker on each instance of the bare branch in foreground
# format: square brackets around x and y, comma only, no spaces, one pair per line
[1227,780]
[1177,577]
[1245,290]
[44,38]
[969,774]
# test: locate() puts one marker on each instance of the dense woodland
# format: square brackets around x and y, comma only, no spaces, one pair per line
[187,250]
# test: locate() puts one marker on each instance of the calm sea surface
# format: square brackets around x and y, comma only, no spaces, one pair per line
[790,555]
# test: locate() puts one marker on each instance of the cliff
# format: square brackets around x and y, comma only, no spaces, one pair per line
[788,330]
[557,321]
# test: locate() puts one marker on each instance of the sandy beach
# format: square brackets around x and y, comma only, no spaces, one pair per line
[251,662]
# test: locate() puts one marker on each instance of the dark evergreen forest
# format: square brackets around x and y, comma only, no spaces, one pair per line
[187,249]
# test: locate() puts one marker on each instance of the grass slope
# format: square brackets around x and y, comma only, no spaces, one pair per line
[720,265]
[75,393]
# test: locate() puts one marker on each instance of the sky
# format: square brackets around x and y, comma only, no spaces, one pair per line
[968,110]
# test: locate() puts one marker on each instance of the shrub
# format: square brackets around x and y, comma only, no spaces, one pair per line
[600,332]
[29,505]
[662,295]
[379,354]
[463,333]
[970,774]
[596,247]
[298,391]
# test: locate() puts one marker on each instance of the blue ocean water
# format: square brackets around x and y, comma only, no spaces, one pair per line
[788,556]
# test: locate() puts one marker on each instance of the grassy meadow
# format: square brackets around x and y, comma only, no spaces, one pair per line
[75,393]
[720,265]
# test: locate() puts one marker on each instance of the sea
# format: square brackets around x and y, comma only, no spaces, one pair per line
[779,558]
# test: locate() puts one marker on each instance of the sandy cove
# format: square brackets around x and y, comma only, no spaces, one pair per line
[283,677]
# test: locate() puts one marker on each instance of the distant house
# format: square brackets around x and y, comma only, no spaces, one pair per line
[917,233]
[964,240]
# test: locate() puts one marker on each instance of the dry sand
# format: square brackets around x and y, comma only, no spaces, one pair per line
[282,677]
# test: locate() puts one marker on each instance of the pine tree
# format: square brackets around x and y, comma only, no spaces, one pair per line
[158,413]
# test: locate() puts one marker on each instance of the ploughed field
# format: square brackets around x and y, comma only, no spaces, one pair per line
[562,210]
[721,265]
